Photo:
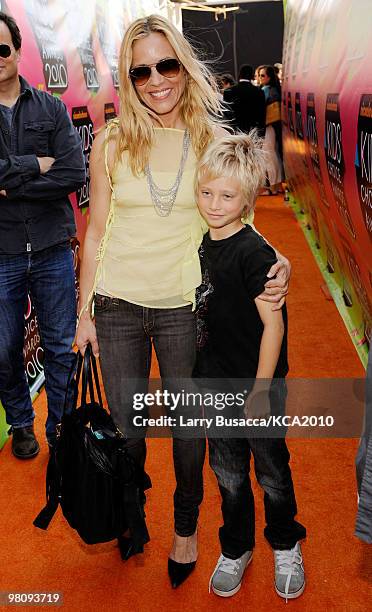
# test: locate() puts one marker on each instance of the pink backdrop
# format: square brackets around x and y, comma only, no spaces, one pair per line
[327,117]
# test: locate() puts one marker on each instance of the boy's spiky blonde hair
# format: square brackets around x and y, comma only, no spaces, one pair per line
[237,156]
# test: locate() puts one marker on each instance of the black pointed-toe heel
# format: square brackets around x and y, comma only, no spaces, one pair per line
[127,548]
[179,572]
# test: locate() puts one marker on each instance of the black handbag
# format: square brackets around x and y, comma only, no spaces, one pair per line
[90,473]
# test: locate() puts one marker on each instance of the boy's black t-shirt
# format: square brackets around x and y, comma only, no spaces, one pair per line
[229,328]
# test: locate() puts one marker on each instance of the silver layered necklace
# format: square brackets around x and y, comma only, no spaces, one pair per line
[163,199]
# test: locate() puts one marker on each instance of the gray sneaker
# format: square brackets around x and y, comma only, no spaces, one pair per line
[226,579]
[289,572]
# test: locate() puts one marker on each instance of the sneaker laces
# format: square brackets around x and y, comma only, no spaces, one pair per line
[224,564]
[288,562]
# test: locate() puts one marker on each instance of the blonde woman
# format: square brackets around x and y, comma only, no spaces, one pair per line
[140,262]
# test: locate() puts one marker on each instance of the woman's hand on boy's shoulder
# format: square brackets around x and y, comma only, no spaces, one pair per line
[277,287]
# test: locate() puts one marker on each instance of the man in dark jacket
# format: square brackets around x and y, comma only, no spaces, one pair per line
[41,162]
[246,107]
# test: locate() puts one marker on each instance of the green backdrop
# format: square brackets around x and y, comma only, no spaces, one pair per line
[3,427]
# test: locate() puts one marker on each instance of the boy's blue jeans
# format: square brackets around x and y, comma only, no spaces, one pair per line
[49,277]
[230,460]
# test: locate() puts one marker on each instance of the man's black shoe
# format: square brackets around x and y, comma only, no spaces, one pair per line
[24,443]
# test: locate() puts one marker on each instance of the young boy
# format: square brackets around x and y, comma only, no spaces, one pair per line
[242,337]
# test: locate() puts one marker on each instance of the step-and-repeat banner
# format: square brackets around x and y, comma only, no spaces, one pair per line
[70,49]
[327,129]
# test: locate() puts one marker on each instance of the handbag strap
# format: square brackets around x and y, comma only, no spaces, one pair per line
[85,361]
[82,369]
[96,380]
[73,373]
[90,381]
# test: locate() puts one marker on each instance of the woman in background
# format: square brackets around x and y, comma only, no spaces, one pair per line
[273,136]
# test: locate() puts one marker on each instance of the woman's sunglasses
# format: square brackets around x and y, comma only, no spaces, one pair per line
[5,51]
[168,68]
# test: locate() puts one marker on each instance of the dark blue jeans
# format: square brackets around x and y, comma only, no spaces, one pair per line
[49,277]
[230,460]
[125,335]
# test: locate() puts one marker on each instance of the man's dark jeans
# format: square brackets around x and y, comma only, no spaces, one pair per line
[230,460]
[48,276]
[125,333]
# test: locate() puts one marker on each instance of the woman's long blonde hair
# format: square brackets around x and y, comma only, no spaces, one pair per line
[200,107]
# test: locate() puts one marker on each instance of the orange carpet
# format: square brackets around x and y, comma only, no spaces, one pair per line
[338,566]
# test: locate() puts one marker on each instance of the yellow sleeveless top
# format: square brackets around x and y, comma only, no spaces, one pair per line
[144,258]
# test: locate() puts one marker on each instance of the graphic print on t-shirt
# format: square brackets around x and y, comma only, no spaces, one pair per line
[202,293]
